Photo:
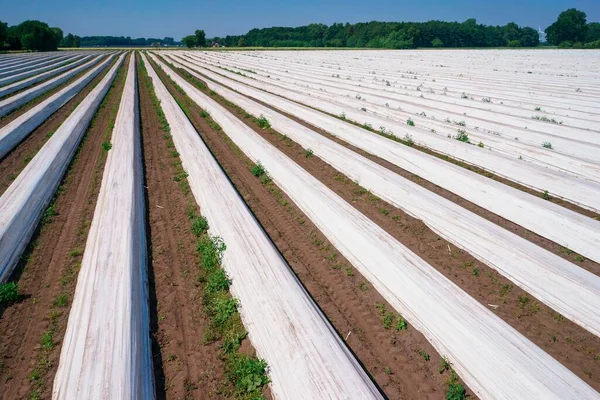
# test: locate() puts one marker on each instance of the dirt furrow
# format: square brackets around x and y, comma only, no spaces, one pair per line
[184,366]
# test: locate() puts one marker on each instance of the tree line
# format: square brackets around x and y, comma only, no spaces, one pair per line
[37,35]
[571,30]
[30,35]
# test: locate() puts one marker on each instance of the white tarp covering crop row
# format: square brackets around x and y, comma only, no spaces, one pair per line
[577,232]
[438,113]
[106,351]
[569,289]
[15,131]
[21,68]
[18,75]
[306,358]
[557,183]
[9,89]
[24,201]
[485,351]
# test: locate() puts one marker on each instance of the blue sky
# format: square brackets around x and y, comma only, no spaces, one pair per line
[176,18]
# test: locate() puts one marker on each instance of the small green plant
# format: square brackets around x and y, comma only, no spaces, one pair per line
[547,145]
[546,195]
[410,122]
[480,145]
[9,292]
[308,153]
[249,375]
[387,370]
[263,122]
[546,119]
[199,225]
[456,391]
[384,211]
[462,136]
[76,252]
[401,324]
[408,140]
[363,286]
[486,100]
[106,146]
[47,340]
[343,115]
[424,354]
[579,258]
[49,214]
[444,365]
[461,123]
[61,300]
[538,109]
[258,170]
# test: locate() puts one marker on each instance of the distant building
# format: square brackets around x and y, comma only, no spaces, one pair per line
[216,44]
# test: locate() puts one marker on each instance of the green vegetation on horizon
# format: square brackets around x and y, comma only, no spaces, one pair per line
[570,30]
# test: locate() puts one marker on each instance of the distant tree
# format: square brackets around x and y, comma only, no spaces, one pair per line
[570,26]
[200,38]
[67,41]
[58,34]
[169,41]
[3,34]
[437,43]
[76,41]
[190,41]
[529,37]
[37,35]
[241,42]
[514,44]
[593,32]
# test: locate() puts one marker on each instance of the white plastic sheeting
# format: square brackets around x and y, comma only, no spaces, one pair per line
[569,289]
[557,183]
[307,359]
[429,114]
[18,129]
[20,68]
[577,232]
[106,351]
[485,351]
[6,90]
[22,204]
[18,75]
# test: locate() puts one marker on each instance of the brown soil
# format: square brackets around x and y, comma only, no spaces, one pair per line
[6,119]
[15,161]
[184,366]
[570,344]
[391,357]
[47,274]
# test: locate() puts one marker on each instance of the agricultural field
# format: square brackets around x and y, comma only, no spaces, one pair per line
[300,224]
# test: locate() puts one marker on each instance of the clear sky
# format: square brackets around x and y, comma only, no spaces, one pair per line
[177,18]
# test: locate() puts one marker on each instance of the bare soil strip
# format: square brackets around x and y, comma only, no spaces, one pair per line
[570,344]
[402,363]
[32,329]
[185,368]
[15,161]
